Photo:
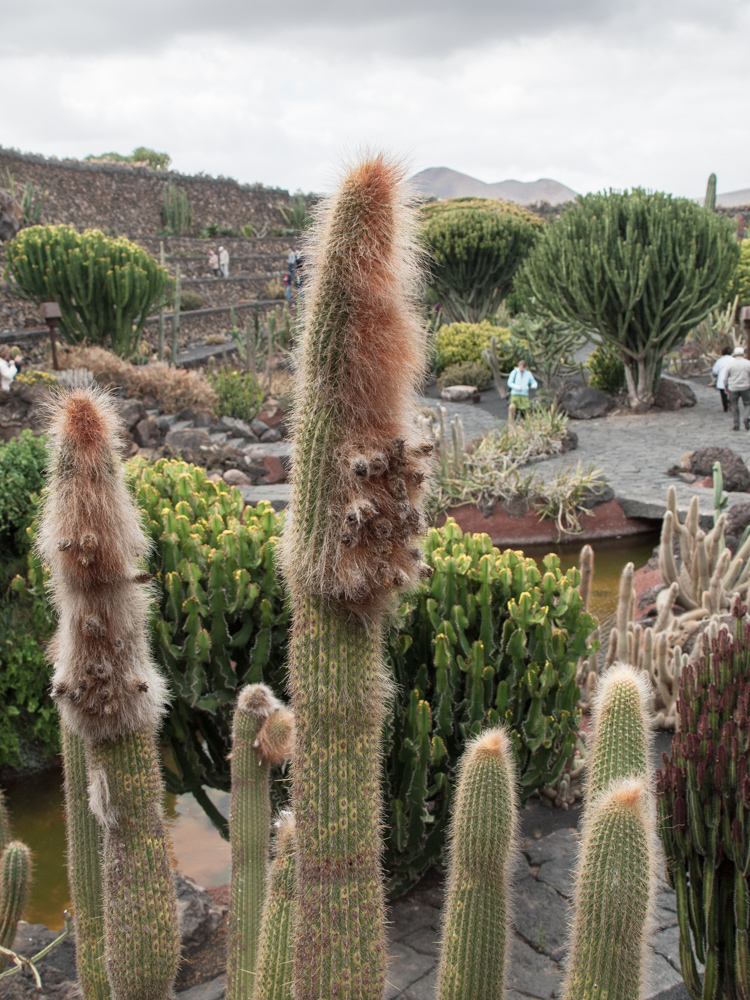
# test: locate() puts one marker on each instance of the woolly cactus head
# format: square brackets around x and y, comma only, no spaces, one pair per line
[360,464]
[91,536]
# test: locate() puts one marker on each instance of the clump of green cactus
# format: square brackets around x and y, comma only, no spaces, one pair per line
[274,968]
[84,846]
[482,842]
[108,691]
[704,814]
[15,885]
[349,545]
[176,211]
[262,735]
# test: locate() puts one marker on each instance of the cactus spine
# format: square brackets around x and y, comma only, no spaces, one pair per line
[613,897]
[273,973]
[108,691]
[262,735]
[481,847]
[84,845]
[15,884]
[348,545]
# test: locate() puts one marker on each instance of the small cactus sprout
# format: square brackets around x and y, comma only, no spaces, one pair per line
[15,885]
[109,692]
[262,736]
[621,729]
[614,896]
[275,967]
[482,842]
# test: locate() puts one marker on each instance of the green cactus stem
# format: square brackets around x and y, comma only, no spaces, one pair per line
[176,318]
[621,726]
[141,945]
[348,546]
[614,897]
[274,969]
[482,841]
[84,847]
[710,200]
[262,735]
[15,885]
[5,834]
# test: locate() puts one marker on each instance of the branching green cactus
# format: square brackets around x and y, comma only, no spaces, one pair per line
[15,885]
[476,920]
[262,736]
[108,691]
[84,846]
[614,896]
[349,545]
[275,966]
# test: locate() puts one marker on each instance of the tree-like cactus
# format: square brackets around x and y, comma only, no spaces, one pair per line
[614,896]
[106,288]
[84,846]
[482,843]
[348,545]
[262,736]
[710,199]
[108,691]
[275,965]
[704,815]
[15,885]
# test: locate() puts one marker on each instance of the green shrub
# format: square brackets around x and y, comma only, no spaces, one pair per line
[239,394]
[23,461]
[476,248]
[190,300]
[607,369]
[106,288]
[466,373]
[458,343]
[490,637]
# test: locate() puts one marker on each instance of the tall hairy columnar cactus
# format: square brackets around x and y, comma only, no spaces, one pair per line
[481,855]
[108,691]
[348,546]
[615,882]
[262,736]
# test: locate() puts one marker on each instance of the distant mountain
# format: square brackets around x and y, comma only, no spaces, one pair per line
[733,198]
[442,182]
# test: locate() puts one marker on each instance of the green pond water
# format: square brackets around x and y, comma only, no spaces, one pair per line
[37,804]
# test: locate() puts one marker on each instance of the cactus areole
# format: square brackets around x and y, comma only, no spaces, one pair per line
[350,543]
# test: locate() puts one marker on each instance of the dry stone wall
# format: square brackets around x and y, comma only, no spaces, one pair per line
[128,200]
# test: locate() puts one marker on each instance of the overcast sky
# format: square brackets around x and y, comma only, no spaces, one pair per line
[592,93]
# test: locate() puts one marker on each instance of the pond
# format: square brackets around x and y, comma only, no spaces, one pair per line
[37,804]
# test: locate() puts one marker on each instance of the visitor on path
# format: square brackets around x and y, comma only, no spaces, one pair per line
[213,262]
[736,378]
[291,261]
[288,286]
[8,370]
[520,381]
[224,262]
[721,364]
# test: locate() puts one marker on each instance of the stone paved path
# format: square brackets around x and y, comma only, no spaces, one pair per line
[541,910]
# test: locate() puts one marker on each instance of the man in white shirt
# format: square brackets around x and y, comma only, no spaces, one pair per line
[723,361]
[736,379]
[224,262]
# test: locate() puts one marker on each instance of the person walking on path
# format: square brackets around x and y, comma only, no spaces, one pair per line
[736,378]
[520,381]
[291,263]
[213,262]
[288,286]
[224,262]
[8,370]
[720,365]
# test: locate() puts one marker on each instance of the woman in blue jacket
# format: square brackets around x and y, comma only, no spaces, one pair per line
[520,381]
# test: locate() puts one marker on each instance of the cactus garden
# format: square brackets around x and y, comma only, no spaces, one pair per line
[381,713]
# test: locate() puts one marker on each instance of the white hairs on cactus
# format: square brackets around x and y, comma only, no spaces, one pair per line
[105,682]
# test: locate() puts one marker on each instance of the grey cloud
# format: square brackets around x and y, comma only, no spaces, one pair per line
[419,27]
